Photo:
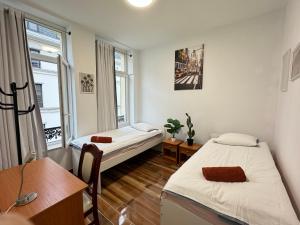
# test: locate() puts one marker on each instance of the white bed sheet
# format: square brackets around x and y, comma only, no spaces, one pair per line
[121,138]
[262,200]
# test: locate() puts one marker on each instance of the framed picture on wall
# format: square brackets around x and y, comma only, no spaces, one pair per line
[296,64]
[286,65]
[189,68]
[87,83]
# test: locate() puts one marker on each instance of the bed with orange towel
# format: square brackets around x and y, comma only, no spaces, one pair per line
[118,145]
[225,184]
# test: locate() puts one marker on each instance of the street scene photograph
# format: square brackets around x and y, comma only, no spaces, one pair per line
[189,68]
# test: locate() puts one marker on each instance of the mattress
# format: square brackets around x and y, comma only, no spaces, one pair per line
[261,200]
[122,138]
[201,211]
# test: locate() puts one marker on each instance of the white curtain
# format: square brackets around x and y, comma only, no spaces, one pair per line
[105,87]
[15,67]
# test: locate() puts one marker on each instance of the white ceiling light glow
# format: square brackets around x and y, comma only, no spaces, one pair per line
[140,3]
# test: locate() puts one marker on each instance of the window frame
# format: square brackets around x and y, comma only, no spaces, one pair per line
[56,60]
[126,76]
[61,61]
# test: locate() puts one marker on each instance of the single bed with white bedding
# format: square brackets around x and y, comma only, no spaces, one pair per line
[188,198]
[127,142]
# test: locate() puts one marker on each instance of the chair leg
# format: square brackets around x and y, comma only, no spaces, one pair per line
[95,215]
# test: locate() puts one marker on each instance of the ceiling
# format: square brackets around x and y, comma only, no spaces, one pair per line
[163,21]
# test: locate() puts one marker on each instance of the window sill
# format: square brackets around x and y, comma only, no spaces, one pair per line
[55,149]
[123,124]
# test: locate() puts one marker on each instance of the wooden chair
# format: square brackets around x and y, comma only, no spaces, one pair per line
[88,171]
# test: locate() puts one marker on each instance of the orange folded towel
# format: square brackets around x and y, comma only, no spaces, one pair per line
[99,139]
[224,174]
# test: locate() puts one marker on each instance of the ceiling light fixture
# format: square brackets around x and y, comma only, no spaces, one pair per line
[140,3]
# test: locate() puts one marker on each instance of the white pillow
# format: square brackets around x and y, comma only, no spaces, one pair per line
[143,127]
[237,139]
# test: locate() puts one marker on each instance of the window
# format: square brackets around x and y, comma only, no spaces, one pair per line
[51,79]
[39,94]
[33,50]
[34,27]
[36,63]
[31,26]
[121,74]
[120,62]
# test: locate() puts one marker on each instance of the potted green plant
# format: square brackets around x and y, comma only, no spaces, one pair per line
[173,127]
[191,132]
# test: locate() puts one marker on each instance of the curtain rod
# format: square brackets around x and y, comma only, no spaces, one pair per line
[117,50]
[114,42]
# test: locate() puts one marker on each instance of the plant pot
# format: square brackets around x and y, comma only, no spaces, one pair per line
[173,139]
[190,141]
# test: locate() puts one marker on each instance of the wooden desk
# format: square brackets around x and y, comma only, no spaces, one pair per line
[59,200]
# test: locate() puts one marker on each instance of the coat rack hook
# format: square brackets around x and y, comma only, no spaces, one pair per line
[6,108]
[6,104]
[25,86]
[30,109]
[4,93]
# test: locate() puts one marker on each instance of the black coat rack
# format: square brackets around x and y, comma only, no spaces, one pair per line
[14,106]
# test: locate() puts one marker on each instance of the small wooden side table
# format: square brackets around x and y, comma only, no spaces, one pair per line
[170,149]
[188,151]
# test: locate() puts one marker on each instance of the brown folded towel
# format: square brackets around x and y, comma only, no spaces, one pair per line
[224,174]
[99,139]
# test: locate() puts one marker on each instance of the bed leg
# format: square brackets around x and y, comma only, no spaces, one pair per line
[99,184]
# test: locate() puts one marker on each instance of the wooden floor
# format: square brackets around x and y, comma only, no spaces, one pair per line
[131,190]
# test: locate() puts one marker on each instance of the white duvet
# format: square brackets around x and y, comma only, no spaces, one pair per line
[262,200]
[121,138]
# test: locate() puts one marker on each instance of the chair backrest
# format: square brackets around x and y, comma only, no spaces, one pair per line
[89,164]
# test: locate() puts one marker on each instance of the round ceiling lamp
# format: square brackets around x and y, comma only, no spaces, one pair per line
[140,3]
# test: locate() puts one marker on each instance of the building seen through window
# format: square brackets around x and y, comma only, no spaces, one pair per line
[39,94]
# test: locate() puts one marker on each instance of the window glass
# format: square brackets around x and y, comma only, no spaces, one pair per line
[121,98]
[120,62]
[43,41]
[122,86]
[33,50]
[39,93]
[36,63]
[31,26]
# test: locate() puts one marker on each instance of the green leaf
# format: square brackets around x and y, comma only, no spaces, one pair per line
[168,125]
[193,133]
[173,125]
[170,120]
[170,131]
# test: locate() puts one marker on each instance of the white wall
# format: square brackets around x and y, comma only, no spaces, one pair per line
[241,68]
[81,56]
[133,85]
[82,48]
[287,133]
